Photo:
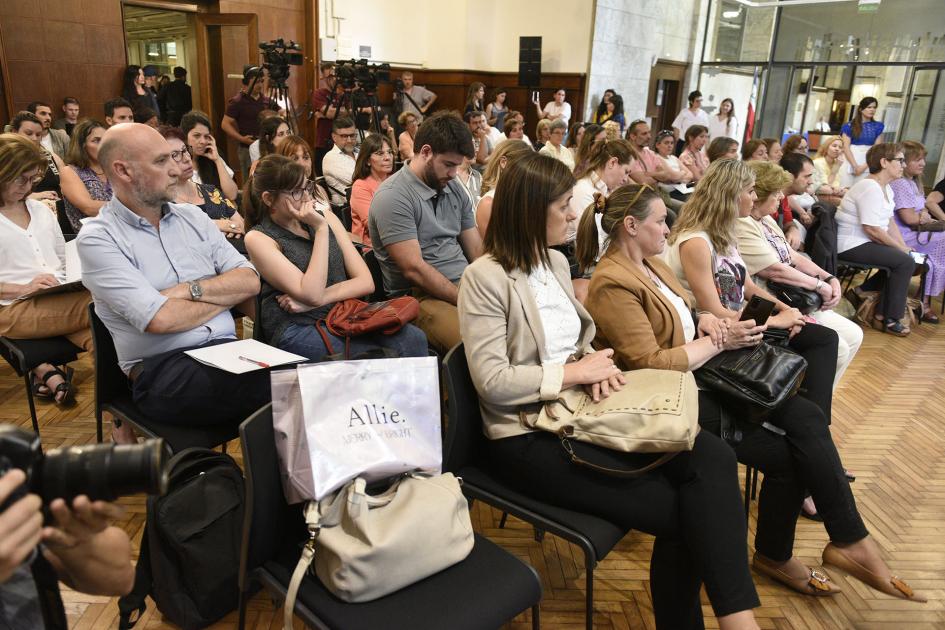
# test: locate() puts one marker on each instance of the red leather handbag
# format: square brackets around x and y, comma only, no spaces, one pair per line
[351,318]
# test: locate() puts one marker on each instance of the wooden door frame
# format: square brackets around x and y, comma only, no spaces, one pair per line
[666,69]
[208,20]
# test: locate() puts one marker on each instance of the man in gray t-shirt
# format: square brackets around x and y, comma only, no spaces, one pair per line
[423,229]
[422,98]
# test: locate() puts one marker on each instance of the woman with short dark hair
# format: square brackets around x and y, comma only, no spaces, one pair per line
[866,233]
[527,339]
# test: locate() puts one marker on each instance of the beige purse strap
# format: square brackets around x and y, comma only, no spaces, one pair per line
[614,472]
[312,521]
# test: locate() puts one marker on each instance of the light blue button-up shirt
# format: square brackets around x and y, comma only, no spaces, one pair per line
[126,263]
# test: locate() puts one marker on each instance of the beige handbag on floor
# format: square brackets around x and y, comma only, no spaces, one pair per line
[657,411]
[365,547]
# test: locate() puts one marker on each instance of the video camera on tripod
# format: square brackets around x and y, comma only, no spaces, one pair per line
[277,56]
[358,81]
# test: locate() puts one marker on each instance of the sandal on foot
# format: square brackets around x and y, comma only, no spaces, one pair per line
[928,315]
[894,327]
[65,387]
[40,389]
[809,510]
[836,557]
[817,583]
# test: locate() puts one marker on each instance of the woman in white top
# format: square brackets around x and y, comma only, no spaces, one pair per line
[32,258]
[527,339]
[504,154]
[665,144]
[607,168]
[724,124]
[828,165]
[866,233]
[555,145]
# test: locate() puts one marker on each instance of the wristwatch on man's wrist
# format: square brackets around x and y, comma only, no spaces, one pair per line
[196,291]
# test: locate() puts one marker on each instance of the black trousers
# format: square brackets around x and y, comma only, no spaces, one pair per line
[692,506]
[176,389]
[894,289]
[818,345]
[804,458]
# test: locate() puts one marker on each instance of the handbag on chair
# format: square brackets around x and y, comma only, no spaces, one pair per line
[657,411]
[364,547]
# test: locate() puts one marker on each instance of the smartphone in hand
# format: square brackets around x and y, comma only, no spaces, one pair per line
[758,309]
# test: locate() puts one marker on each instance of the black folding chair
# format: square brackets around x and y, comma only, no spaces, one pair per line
[24,355]
[113,394]
[847,270]
[484,591]
[464,447]
[370,259]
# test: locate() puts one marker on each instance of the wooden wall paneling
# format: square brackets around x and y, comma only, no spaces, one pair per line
[451,86]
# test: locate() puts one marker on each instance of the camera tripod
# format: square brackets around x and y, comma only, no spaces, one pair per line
[278,92]
[355,100]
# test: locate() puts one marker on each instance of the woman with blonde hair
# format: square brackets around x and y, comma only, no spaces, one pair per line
[703,253]
[527,339]
[827,167]
[504,154]
[642,311]
[909,195]
[542,134]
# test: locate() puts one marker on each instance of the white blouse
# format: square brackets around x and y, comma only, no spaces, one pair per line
[559,319]
[40,248]
[866,203]
[685,315]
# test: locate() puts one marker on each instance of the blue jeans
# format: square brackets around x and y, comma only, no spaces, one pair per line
[409,341]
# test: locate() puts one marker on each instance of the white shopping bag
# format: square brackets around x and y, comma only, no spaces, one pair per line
[373,419]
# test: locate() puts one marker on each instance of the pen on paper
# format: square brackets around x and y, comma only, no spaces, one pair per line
[259,363]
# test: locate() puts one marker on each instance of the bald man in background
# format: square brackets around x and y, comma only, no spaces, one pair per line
[163,279]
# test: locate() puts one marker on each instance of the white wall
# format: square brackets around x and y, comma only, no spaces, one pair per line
[461,34]
[629,36]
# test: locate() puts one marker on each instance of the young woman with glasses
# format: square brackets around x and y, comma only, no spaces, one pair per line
[307,263]
[205,196]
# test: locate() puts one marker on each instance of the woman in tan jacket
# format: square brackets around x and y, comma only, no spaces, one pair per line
[642,311]
[527,339]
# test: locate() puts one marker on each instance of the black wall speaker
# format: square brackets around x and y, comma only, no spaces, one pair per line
[529,61]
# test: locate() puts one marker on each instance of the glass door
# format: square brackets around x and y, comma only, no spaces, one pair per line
[798,93]
[924,118]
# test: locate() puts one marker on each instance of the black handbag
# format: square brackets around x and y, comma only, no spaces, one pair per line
[763,376]
[804,300]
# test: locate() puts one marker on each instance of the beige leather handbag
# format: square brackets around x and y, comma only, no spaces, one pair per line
[365,547]
[657,411]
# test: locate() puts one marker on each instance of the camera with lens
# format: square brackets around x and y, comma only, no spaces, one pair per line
[399,86]
[100,471]
[278,55]
[360,74]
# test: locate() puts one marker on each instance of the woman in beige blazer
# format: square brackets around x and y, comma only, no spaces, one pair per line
[641,311]
[526,339]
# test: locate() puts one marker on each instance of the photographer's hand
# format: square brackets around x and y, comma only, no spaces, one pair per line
[21,524]
[88,554]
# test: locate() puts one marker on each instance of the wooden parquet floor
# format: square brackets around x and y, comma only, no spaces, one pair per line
[889,422]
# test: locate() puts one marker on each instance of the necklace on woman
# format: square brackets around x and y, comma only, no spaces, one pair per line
[652,277]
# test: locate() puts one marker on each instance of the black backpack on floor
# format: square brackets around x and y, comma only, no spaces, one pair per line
[190,549]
